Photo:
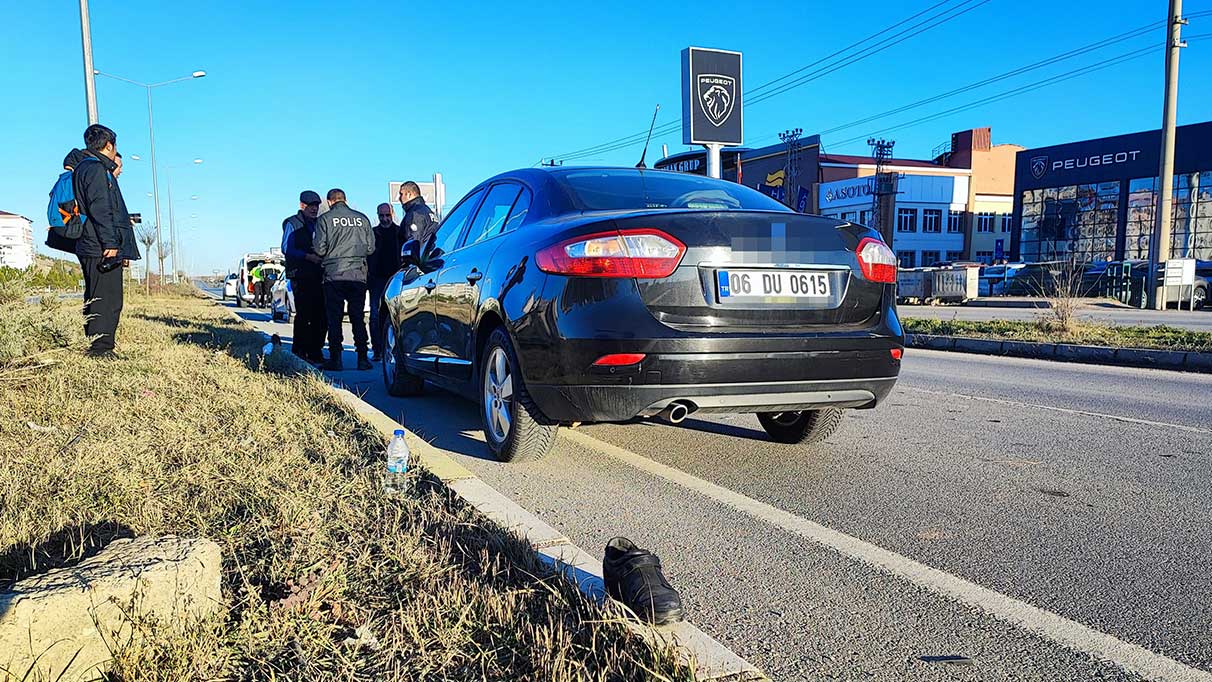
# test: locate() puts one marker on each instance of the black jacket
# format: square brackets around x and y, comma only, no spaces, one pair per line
[385,261]
[418,222]
[100,200]
[344,239]
[298,233]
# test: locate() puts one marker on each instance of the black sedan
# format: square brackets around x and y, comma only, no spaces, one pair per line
[564,295]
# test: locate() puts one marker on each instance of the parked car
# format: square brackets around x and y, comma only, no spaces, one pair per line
[229,286]
[995,279]
[558,295]
[282,301]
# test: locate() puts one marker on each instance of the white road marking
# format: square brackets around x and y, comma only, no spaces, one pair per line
[1066,410]
[1044,623]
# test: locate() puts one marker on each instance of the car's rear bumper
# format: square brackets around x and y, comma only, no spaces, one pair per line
[605,402]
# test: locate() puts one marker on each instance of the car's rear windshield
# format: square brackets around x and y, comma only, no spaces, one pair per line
[620,189]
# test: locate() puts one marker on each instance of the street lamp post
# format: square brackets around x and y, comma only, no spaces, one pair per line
[172,223]
[151,132]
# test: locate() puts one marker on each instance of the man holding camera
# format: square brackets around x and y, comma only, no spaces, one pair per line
[107,241]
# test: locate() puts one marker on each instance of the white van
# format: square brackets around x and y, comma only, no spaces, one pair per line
[244,283]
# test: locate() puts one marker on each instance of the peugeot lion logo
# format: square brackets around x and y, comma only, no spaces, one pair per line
[716,95]
[1039,166]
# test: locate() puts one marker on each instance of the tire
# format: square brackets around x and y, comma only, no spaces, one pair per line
[809,426]
[399,381]
[239,300]
[525,434]
[1200,298]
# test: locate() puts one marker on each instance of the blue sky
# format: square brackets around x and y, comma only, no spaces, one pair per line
[355,94]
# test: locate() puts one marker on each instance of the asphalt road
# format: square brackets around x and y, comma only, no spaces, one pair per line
[1199,320]
[989,500]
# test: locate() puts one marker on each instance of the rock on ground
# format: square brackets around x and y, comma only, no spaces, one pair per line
[84,611]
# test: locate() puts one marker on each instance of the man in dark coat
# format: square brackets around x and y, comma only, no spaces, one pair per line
[306,279]
[418,222]
[382,265]
[108,239]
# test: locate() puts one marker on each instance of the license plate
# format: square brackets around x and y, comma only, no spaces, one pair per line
[771,285]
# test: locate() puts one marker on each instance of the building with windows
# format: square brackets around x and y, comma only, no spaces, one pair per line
[978,213]
[1096,200]
[16,241]
[929,214]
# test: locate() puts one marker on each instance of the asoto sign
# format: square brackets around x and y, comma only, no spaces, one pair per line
[712,111]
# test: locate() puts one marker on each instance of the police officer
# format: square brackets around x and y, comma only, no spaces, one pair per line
[381,267]
[344,240]
[418,222]
[306,281]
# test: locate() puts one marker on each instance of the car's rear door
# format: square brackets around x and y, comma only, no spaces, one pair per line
[463,276]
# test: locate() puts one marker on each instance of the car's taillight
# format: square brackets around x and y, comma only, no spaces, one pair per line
[643,253]
[877,261]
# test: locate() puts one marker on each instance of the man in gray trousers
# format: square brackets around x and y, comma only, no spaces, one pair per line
[344,239]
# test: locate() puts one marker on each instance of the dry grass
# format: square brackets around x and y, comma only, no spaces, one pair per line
[325,578]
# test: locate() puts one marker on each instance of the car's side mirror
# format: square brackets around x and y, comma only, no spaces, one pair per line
[410,253]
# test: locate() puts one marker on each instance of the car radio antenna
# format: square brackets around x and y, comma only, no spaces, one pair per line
[650,126]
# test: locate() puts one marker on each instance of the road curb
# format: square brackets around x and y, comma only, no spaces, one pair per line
[1150,358]
[712,661]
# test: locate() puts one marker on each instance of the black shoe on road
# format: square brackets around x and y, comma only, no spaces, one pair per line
[364,364]
[633,576]
[333,364]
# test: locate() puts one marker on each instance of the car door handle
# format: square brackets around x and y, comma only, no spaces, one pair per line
[430,286]
[474,276]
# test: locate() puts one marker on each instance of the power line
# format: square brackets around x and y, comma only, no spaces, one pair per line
[672,125]
[853,45]
[1106,42]
[1097,66]
[876,49]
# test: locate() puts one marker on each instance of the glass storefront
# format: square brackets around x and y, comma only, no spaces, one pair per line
[1191,231]
[1083,221]
[1074,221]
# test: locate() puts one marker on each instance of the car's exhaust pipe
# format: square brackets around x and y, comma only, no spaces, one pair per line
[674,413]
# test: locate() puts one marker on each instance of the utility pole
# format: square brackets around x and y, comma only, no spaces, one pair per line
[1159,248]
[791,166]
[90,85]
[885,185]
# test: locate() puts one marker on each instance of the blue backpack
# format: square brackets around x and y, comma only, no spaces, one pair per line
[63,214]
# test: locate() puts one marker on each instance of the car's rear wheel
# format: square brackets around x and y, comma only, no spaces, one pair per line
[399,381]
[808,426]
[1199,298]
[514,427]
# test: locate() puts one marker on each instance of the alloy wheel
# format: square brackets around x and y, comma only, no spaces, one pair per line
[498,395]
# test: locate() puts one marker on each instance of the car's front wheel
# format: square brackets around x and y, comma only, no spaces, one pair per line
[514,427]
[807,426]
[399,381]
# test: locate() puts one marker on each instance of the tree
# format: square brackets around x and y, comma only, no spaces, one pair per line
[163,250]
[147,236]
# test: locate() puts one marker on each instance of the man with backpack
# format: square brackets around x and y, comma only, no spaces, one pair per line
[93,214]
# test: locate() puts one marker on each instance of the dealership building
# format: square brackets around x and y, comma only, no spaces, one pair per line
[1095,200]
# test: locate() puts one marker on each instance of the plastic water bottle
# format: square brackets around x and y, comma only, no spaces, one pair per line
[396,480]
